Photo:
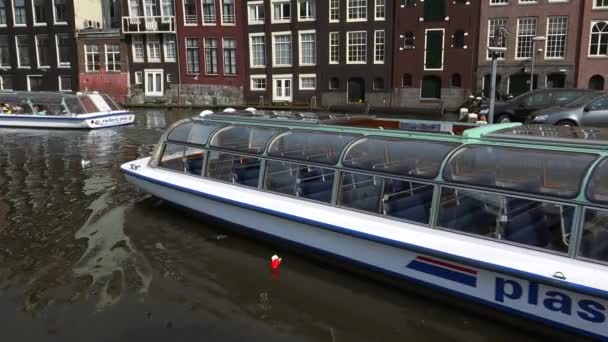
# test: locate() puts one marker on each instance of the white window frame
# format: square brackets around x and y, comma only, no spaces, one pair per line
[2,86]
[166,39]
[34,15]
[48,66]
[86,58]
[589,55]
[252,78]
[283,78]
[337,47]
[302,76]
[19,66]
[517,38]
[5,22]
[330,3]
[60,78]
[222,13]
[186,23]
[149,57]
[379,3]
[139,77]
[348,45]
[442,49]
[251,35]
[595,6]
[273,20]
[55,16]
[499,2]
[134,49]
[307,19]
[376,61]
[214,23]
[528,2]
[281,33]
[348,19]
[105,48]
[300,33]
[13,8]
[257,21]
[501,55]
[565,36]
[29,77]
[59,64]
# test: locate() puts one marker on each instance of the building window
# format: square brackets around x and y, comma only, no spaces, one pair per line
[257,45]
[334,11]
[6,82]
[379,50]
[433,53]
[599,39]
[23,51]
[596,82]
[356,47]
[281,11]
[3,12]
[170,48]
[256,12]
[59,11]
[229,56]
[378,83]
[334,47]
[334,83]
[308,48]
[499,2]
[458,39]
[42,50]
[282,49]
[228,16]
[139,77]
[91,56]
[153,46]
[166,7]
[192,57]
[34,83]
[190,17]
[308,82]
[209,12]
[456,81]
[150,8]
[19,12]
[380,10]
[434,10]
[5,57]
[526,31]
[138,49]
[64,50]
[600,3]
[406,81]
[169,78]
[306,10]
[557,28]
[408,40]
[356,10]
[495,39]
[258,82]
[38,12]
[113,57]
[431,87]
[210,56]
[65,83]
[134,9]
[408,3]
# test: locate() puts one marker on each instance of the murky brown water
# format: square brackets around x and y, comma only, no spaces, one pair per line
[84,256]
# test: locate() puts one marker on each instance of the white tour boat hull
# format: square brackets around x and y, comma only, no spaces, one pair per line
[431,258]
[83,121]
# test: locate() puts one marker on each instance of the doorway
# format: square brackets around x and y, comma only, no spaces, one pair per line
[282,89]
[154,82]
[356,90]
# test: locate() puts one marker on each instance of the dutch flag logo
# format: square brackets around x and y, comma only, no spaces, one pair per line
[445,270]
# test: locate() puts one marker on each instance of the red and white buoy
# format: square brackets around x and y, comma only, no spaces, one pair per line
[275,262]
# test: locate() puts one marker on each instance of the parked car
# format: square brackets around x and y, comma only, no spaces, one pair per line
[519,108]
[590,110]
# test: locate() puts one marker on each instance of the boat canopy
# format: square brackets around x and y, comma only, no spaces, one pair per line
[310,146]
[598,186]
[543,172]
[56,103]
[247,139]
[407,157]
[193,132]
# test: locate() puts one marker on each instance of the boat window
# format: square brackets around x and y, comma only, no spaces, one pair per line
[391,197]
[414,158]
[110,102]
[523,221]
[597,190]
[74,105]
[88,104]
[193,132]
[234,168]
[594,242]
[173,158]
[246,139]
[545,172]
[317,147]
[304,181]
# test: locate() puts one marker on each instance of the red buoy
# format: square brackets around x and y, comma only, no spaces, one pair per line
[275,262]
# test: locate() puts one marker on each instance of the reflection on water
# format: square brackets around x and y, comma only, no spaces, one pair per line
[86,256]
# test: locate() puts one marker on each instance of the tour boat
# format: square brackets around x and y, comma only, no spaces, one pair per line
[61,110]
[513,217]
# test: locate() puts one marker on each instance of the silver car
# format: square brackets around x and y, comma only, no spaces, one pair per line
[590,111]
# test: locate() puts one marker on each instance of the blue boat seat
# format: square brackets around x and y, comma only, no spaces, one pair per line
[366,197]
[468,216]
[414,207]
[529,228]
[194,166]
[247,173]
[318,189]
[595,246]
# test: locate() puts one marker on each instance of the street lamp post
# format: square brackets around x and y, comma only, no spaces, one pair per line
[534,40]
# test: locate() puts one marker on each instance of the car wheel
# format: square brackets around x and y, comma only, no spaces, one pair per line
[504,118]
[567,123]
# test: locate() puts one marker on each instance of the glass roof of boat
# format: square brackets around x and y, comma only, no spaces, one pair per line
[310,146]
[544,172]
[408,157]
[193,132]
[563,134]
[276,115]
[248,139]
[597,190]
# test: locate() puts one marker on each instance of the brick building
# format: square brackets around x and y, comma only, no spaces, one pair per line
[593,51]
[555,21]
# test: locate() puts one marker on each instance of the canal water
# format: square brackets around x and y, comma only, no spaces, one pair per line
[85,256]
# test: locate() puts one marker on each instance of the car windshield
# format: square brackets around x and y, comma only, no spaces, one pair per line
[582,101]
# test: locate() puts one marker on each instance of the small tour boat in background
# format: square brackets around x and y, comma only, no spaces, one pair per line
[61,110]
[513,217]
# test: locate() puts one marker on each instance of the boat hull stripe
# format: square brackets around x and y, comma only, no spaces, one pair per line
[448,265]
[444,273]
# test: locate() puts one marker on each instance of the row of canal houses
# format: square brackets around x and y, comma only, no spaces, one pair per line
[398,53]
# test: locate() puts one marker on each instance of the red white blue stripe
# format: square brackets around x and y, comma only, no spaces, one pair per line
[445,270]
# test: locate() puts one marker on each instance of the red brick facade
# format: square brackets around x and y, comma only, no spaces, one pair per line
[592,69]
